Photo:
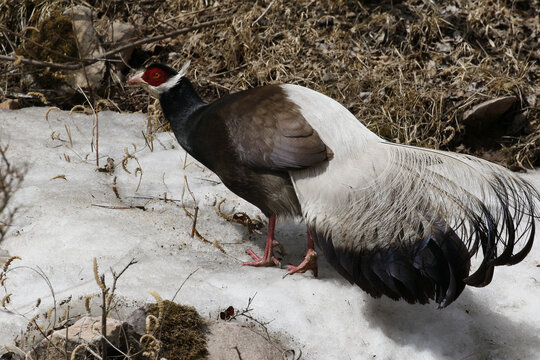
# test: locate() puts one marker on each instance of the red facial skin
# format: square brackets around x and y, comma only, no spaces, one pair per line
[155,76]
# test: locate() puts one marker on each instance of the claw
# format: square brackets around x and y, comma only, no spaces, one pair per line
[266,260]
[309,263]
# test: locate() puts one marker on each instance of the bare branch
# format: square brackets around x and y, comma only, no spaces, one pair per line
[164,36]
[263,13]
[17,59]
[104,57]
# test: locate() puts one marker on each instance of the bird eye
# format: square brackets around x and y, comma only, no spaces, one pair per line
[156,75]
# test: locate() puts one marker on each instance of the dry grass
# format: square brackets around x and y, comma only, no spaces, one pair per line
[408,69]
[10,179]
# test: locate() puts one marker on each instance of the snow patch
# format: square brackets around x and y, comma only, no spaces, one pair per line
[64,223]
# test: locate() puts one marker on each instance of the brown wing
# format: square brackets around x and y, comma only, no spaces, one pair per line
[268,131]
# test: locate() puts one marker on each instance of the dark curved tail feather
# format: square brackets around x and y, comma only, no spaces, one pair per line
[488,236]
[432,269]
[437,266]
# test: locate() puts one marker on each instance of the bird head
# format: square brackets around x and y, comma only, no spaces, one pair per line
[158,78]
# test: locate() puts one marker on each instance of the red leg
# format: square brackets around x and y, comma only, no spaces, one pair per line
[309,263]
[268,258]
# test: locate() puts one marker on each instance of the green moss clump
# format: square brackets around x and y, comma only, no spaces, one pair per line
[55,33]
[181,332]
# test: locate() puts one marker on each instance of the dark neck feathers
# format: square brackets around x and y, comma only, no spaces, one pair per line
[179,104]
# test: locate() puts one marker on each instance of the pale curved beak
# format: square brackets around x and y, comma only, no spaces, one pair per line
[135,80]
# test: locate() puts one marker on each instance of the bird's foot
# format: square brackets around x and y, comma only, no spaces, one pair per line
[309,263]
[267,259]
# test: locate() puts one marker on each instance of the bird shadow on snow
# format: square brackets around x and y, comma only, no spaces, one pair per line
[467,329]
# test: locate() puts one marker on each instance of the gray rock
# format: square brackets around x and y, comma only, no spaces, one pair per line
[489,111]
[137,319]
[10,104]
[365,96]
[118,34]
[232,341]
[531,99]
[89,47]
[86,330]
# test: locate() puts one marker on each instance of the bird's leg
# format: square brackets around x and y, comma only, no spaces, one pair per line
[310,261]
[268,258]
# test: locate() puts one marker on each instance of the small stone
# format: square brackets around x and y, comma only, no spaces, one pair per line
[89,47]
[365,96]
[443,47]
[173,56]
[137,319]
[120,33]
[86,330]
[490,110]
[228,340]
[10,104]
[431,68]
[531,100]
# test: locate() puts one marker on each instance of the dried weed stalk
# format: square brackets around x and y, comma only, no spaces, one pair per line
[231,314]
[242,218]
[3,277]
[194,216]
[10,181]
[138,169]
[107,300]
[150,343]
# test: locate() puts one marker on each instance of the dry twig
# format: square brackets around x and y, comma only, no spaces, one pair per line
[107,296]
[241,218]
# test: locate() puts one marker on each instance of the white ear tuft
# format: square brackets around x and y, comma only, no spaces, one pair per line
[183,70]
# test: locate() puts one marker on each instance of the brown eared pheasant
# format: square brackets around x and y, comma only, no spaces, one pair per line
[396,220]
